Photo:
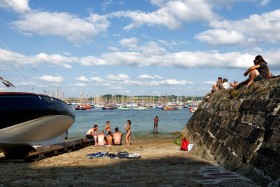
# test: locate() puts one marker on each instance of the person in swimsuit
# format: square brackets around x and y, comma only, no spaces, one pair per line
[156,120]
[128,132]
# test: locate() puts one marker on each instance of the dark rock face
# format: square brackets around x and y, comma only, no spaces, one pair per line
[240,130]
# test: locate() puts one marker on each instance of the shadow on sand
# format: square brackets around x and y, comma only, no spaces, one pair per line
[165,171]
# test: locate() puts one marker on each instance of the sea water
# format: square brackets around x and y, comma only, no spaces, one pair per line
[142,121]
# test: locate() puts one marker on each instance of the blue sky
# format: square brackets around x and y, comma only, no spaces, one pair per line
[134,47]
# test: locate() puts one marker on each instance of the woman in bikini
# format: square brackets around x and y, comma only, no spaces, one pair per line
[128,132]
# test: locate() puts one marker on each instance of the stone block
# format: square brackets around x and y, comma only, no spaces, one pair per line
[215,146]
[209,142]
[254,135]
[271,106]
[267,162]
[234,163]
[210,125]
[230,142]
[245,105]
[247,117]
[223,155]
[236,105]
[238,146]
[274,139]
[223,135]
[225,123]
[248,152]
[243,130]
[214,130]
[259,120]
[275,93]
[258,105]
[271,121]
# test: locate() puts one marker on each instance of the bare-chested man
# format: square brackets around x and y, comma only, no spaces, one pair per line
[156,120]
[109,138]
[93,133]
[117,137]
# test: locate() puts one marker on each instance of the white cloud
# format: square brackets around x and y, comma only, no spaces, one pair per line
[91,60]
[158,77]
[19,6]
[218,36]
[106,4]
[82,79]
[97,79]
[158,2]
[129,42]
[80,84]
[183,59]
[50,78]
[264,2]
[171,14]
[262,28]
[144,76]
[175,82]
[74,29]
[230,3]
[117,77]
[18,59]
[53,59]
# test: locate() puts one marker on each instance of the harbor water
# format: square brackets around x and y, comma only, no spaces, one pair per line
[142,121]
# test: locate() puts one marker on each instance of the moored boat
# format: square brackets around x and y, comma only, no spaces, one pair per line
[170,107]
[29,119]
[109,107]
[83,107]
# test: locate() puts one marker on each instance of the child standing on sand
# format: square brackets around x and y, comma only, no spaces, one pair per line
[128,132]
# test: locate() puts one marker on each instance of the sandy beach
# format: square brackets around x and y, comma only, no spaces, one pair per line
[161,164]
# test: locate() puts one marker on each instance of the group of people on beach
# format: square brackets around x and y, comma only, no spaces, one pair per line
[256,72]
[106,137]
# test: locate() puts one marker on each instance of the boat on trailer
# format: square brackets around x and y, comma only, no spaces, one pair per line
[28,120]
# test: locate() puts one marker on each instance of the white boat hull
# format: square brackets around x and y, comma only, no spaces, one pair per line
[37,132]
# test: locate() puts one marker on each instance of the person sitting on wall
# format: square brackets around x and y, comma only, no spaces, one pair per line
[218,85]
[257,72]
[225,83]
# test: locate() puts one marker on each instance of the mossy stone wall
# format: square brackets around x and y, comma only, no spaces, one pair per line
[240,130]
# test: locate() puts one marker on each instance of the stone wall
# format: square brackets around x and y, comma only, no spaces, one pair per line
[240,130]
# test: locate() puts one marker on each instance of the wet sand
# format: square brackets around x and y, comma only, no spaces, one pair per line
[161,164]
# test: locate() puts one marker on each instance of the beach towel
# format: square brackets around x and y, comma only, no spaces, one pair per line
[122,154]
[98,154]
[134,155]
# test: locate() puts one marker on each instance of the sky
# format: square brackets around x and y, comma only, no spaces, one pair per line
[134,47]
